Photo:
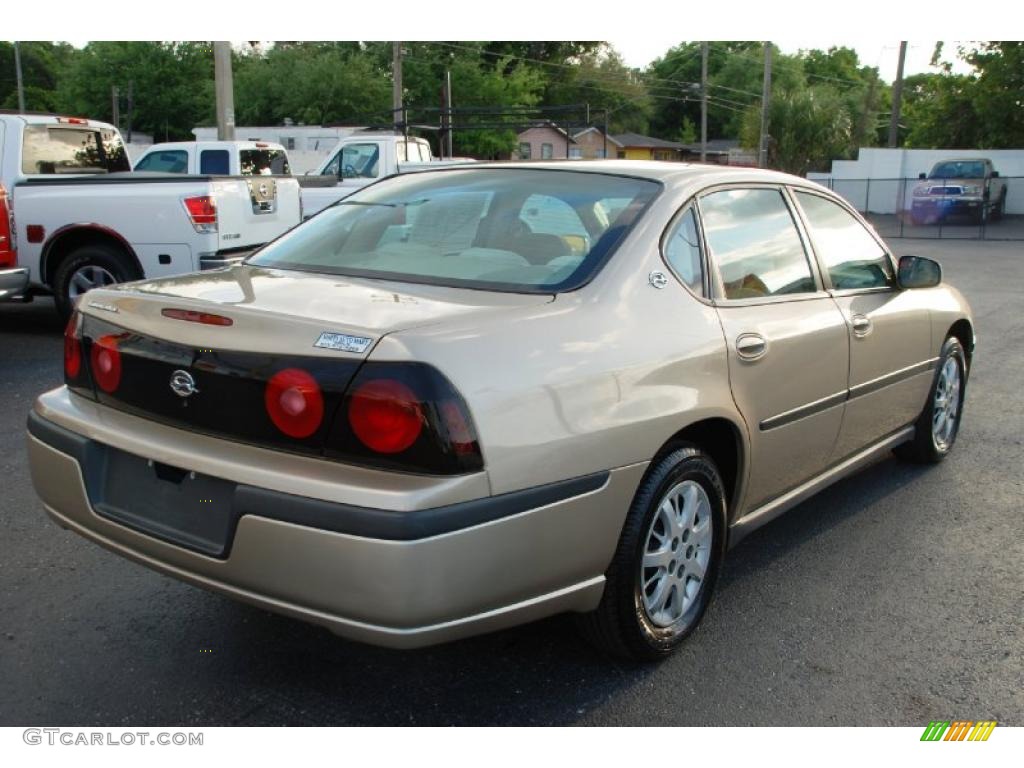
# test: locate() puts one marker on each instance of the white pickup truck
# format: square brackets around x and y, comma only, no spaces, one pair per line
[81,219]
[216,158]
[362,159]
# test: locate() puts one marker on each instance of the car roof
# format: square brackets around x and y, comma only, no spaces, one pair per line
[668,172]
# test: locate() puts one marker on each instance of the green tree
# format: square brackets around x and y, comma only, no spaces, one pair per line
[939,111]
[315,83]
[999,93]
[42,64]
[809,127]
[171,83]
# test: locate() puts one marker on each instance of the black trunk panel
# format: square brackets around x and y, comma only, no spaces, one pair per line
[230,387]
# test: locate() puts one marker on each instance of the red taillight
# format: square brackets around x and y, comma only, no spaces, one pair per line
[72,348]
[8,254]
[294,402]
[197,317]
[202,210]
[105,359]
[385,415]
[73,120]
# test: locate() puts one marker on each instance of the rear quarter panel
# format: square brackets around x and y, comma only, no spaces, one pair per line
[600,378]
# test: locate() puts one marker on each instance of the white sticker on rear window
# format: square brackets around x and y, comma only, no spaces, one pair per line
[342,342]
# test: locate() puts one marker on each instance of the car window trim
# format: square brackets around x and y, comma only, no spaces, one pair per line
[822,267]
[718,297]
[689,205]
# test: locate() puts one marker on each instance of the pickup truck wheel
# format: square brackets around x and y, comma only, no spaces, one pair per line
[88,267]
[663,573]
[937,427]
[1000,210]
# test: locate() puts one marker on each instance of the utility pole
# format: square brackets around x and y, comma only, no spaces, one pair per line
[704,102]
[115,106]
[131,108]
[396,80]
[17,73]
[897,97]
[448,105]
[766,95]
[605,134]
[224,89]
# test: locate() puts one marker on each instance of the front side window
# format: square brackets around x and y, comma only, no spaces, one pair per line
[755,244]
[359,161]
[682,251]
[478,228]
[55,150]
[164,161]
[852,257]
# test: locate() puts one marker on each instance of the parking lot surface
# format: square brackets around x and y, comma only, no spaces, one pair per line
[893,598]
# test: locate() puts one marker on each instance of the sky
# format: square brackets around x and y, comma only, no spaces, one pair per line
[640,51]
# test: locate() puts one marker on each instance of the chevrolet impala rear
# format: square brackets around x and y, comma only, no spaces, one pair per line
[295,431]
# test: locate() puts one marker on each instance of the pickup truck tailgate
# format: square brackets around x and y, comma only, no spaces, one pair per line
[254,210]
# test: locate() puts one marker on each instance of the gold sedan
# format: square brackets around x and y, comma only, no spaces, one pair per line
[471,397]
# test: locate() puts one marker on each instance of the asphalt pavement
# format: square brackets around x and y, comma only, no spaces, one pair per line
[895,597]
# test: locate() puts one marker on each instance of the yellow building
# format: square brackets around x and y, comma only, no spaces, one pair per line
[635,146]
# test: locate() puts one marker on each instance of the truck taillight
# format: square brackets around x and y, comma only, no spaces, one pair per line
[73,348]
[202,211]
[73,120]
[8,251]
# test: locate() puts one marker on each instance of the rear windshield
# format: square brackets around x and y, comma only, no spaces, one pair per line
[970,169]
[522,230]
[263,162]
[59,149]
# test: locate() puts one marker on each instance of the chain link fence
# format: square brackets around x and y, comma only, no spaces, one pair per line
[910,208]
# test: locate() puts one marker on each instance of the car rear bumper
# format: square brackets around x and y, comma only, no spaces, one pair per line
[399,579]
[13,283]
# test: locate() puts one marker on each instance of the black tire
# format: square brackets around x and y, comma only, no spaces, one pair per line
[107,257]
[620,625]
[924,448]
[1000,210]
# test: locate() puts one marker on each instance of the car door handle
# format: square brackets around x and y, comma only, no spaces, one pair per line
[861,325]
[751,346]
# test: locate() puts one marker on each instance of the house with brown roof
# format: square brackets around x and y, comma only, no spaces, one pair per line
[545,141]
[594,144]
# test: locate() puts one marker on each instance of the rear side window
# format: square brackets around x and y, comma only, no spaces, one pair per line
[852,257]
[170,161]
[214,162]
[263,162]
[755,244]
[55,150]
[682,251]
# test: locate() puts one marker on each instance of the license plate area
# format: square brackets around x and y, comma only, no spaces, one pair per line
[185,508]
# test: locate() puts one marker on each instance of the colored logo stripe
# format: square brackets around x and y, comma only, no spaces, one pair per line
[958,730]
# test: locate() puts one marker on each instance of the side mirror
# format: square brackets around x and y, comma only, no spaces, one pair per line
[918,272]
[922,175]
[995,174]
